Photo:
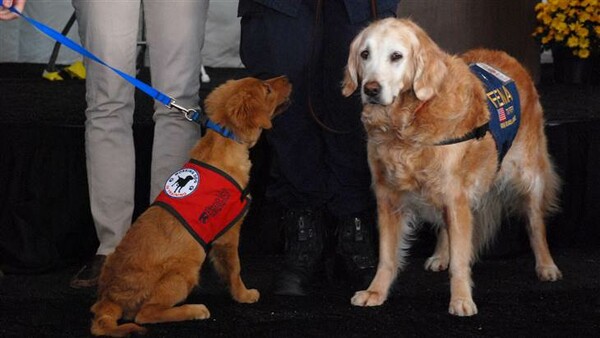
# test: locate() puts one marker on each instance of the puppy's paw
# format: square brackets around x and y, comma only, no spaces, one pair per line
[436,263]
[199,311]
[368,298]
[462,307]
[123,330]
[548,273]
[248,296]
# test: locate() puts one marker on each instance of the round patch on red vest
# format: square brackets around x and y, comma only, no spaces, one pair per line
[182,183]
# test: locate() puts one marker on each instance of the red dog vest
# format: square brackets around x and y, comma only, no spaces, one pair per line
[205,199]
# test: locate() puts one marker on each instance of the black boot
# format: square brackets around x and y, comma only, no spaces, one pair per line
[357,248]
[304,241]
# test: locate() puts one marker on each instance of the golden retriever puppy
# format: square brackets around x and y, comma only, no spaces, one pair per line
[438,154]
[157,263]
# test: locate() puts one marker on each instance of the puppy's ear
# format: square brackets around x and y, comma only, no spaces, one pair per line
[430,69]
[353,67]
[263,119]
[239,109]
[244,111]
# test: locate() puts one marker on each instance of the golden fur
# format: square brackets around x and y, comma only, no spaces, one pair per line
[157,263]
[416,95]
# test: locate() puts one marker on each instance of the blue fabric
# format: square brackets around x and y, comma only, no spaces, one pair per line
[360,10]
[288,7]
[357,10]
[503,104]
[311,167]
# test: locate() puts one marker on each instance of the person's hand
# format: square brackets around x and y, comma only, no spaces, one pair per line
[5,14]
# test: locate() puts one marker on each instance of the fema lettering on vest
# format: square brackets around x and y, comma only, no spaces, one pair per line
[500,96]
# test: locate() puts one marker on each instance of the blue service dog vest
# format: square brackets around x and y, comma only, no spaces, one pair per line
[503,104]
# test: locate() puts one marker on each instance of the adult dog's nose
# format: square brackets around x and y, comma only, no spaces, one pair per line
[372,88]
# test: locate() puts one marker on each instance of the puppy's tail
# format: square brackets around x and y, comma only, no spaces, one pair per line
[106,315]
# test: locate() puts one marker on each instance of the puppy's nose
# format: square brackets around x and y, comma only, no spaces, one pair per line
[372,88]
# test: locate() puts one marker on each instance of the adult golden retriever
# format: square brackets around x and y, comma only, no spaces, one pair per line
[157,263]
[420,106]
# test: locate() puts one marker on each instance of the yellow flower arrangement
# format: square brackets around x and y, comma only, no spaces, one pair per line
[574,24]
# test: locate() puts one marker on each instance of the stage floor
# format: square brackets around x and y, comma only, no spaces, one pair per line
[510,299]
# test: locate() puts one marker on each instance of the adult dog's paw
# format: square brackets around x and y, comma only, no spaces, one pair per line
[436,263]
[368,298]
[462,307]
[548,273]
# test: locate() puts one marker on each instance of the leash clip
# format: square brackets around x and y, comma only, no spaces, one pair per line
[187,113]
[191,115]
[197,116]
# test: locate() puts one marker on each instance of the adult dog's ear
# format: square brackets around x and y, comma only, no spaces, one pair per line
[430,69]
[353,67]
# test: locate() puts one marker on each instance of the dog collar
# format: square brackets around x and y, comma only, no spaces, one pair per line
[202,119]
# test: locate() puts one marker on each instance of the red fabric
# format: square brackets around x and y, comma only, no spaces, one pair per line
[205,199]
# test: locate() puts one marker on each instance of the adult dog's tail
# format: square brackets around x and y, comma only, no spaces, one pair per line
[106,315]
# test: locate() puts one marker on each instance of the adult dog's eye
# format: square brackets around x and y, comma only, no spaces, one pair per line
[396,56]
[364,54]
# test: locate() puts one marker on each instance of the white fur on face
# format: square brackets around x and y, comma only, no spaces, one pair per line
[383,43]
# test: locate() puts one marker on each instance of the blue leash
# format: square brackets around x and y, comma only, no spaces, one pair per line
[190,114]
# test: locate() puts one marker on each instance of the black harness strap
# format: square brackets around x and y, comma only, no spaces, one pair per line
[477,133]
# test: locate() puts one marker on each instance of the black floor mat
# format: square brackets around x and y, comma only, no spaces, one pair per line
[510,299]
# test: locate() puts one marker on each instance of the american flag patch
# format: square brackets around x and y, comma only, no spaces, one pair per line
[501,114]
[503,104]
